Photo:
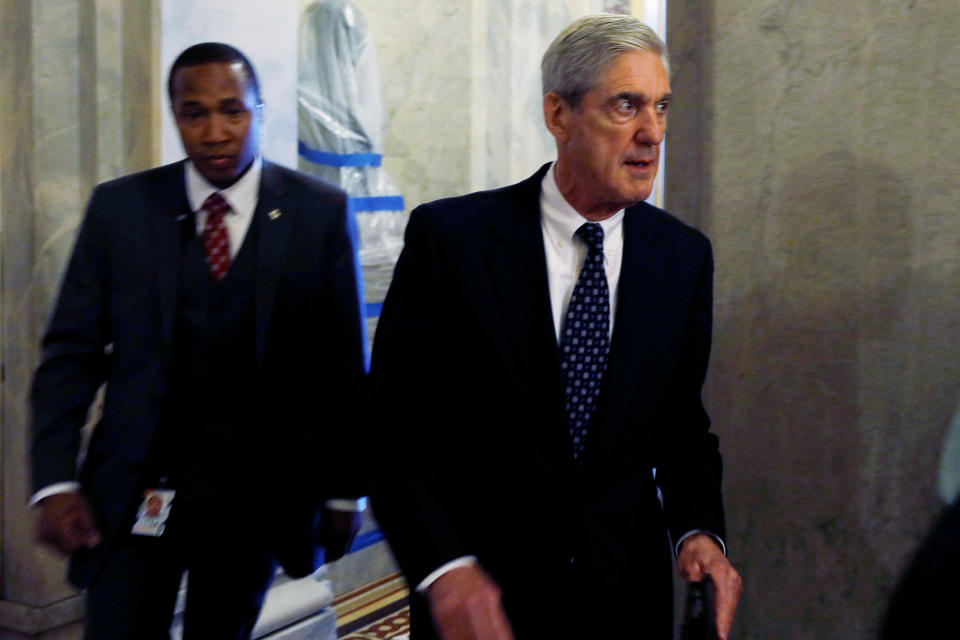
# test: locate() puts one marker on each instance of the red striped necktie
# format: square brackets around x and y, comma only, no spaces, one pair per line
[216,242]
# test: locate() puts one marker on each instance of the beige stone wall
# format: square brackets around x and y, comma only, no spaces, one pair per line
[817,144]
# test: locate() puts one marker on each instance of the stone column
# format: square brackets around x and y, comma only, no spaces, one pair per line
[816,143]
[74,77]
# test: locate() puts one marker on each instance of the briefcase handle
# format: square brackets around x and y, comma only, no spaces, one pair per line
[699,619]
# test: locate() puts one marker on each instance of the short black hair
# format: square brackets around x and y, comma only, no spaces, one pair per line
[209,52]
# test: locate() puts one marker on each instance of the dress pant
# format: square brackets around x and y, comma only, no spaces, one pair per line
[230,562]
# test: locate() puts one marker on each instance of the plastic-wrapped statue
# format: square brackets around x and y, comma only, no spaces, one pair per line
[949,476]
[341,120]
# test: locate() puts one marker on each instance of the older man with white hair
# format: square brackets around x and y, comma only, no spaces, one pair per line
[537,375]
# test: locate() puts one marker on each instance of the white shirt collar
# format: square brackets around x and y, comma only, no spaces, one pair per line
[560,219]
[242,195]
[565,252]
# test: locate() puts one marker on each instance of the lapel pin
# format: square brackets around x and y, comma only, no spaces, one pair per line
[273,215]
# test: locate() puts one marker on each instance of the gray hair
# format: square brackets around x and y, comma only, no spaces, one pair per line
[582,52]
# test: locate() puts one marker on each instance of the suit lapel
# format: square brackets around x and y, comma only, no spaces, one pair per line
[274,225]
[518,268]
[170,215]
[639,293]
[519,273]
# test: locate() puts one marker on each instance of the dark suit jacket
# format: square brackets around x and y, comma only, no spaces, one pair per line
[466,384]
[114,323]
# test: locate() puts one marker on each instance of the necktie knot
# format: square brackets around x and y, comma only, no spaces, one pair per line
[215,205]
[592,234]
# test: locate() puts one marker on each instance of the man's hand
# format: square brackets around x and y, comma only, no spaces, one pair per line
[65,522]
[339,530]
[701,556]
[465,603]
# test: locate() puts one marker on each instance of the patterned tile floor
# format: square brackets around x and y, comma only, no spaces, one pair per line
[377,611]
[395,626]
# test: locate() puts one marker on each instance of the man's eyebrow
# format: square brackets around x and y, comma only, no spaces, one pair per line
[632,96]
[635,96]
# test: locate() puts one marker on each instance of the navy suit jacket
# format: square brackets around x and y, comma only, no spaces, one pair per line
[114,324]
[467,388]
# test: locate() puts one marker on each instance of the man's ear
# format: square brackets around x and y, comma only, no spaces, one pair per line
[556,114]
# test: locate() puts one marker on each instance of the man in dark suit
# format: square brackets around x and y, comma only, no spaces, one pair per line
[218,300]
[521,430]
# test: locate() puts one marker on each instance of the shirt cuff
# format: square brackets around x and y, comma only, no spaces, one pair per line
[347,504]
[464,561]
[715,537]
[52,489]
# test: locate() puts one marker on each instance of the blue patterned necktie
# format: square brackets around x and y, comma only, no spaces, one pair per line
[585,344]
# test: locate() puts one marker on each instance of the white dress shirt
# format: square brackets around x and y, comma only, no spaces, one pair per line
[565,251]
[242,196]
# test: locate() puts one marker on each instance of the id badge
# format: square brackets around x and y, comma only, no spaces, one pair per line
[153,512]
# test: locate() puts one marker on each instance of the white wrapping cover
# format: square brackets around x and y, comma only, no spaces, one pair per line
[948,481]
[341,112]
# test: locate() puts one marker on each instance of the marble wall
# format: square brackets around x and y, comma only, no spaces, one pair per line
[461,87]
[72,75]
[816,143]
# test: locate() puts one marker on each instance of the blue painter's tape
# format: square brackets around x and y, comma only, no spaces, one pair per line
[361,542]
[339,159]
[374,309]
[365,540]
[377,203]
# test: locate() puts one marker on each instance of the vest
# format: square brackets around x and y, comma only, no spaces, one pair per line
[209,441]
